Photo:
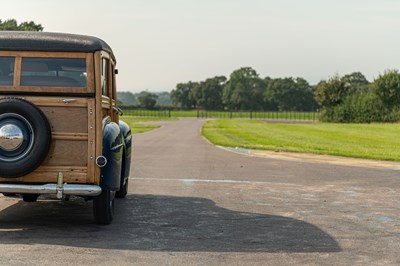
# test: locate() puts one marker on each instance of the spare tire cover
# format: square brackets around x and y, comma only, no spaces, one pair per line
[25,137]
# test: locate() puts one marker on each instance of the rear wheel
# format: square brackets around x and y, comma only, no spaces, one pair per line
[103,207]
[123,186]
[123,189]
[25,137]
[30,197]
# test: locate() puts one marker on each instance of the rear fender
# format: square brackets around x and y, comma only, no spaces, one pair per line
[127,135]
[113,147]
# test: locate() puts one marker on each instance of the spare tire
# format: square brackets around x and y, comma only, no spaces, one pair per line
[25,137]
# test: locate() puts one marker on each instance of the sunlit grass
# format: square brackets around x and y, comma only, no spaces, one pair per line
[374,141]
[141,128]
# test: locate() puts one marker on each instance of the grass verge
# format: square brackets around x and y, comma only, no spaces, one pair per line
[141,128]
[372,141]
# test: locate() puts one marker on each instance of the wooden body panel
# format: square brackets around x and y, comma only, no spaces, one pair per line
[72,149]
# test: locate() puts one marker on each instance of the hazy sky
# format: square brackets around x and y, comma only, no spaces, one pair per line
[161,43]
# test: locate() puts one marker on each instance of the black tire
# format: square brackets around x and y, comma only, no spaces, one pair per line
[34,137]
[30,197]
[103,207]
[123,191]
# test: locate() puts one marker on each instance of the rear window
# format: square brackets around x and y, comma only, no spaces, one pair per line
[6,71]
[54,72]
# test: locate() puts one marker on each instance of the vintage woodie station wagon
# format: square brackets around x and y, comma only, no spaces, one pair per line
[60,131]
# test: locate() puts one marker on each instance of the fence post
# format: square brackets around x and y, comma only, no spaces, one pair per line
[230,115]
[251,115]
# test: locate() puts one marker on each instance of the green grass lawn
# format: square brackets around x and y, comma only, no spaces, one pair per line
[140,128]
[373,141]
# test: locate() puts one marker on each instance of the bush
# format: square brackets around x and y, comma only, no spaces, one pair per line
[364,108]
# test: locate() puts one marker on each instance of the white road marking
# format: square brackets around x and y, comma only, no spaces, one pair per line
[188,180]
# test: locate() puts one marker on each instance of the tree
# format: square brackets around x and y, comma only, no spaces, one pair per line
[331,92]
[164,98]
[147,100]
[356,82]
[183,96]
[12,25]
[244,90]
[290,94]
[387,88]
[127,98]
[208,94]
[336,89]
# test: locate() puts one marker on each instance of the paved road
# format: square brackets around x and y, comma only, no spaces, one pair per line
[194,204]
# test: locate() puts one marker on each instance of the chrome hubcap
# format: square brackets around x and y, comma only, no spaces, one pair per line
[11,137]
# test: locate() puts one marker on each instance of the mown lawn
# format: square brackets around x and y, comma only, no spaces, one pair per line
[373,141]
[140,128]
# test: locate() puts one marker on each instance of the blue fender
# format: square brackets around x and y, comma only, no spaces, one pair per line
[127,135]
[113,147]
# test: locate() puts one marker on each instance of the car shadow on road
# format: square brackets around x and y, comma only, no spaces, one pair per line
[160,223]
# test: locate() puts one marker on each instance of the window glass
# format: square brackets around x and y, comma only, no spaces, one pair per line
[104,77]
[7,71]
[54,72]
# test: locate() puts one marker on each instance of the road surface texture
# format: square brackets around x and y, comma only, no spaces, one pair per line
[191,203]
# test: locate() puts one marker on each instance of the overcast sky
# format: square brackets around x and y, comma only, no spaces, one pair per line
[161,43]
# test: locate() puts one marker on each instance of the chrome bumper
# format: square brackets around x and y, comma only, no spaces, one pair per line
[65,189]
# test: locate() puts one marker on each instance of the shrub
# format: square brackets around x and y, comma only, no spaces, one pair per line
[362,108]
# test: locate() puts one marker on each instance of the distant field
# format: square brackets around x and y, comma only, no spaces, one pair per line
[140,128]
[373,141]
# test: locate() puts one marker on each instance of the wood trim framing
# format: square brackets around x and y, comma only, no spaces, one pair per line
[54,101]
[49,174]
[99,118]
[49,89]
[69,136]
[43,54]
[17,71]
[91,141]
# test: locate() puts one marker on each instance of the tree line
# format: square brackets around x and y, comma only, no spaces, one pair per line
[144,99]
[348,98]
[246,90]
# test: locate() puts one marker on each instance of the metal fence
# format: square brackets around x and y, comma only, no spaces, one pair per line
[261,115]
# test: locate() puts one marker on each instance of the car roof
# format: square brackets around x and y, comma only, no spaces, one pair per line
[50,42]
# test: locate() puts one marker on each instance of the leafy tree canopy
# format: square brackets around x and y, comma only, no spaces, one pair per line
[12,25]
[244,90]
[356,82]
[183,95]
[208,94]
[330,92]
[387,88]
[290,94]
[333,91]
[147,100]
